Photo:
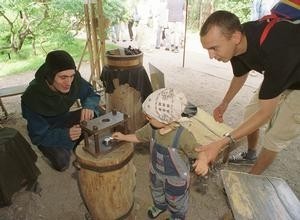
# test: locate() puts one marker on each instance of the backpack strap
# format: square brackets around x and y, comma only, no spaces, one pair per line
[284,10]
[177,136]
[272,19]
[153,133]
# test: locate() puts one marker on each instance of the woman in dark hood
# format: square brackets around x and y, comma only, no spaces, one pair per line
[46,104]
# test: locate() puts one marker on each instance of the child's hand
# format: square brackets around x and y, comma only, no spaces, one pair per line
[201,167]
[118,136]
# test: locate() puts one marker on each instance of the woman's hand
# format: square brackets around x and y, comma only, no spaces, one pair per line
[75,132]
[86,114]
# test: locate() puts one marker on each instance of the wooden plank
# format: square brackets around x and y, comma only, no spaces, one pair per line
[205,128]
[127,100]
[287,197]
[12,90]
[157,78]
[259,197]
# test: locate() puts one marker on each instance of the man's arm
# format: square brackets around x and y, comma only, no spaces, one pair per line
[267,108]
[254,122]
[235,86]
[41,133]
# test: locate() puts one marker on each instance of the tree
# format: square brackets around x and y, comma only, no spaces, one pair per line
[199,10]
[19,20]
[39,20]
[239,7]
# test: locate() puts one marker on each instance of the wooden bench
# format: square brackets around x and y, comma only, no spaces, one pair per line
[10,91]
[259,197]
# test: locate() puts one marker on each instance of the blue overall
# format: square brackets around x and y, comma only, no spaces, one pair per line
[169,177]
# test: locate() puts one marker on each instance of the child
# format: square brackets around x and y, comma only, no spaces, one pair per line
[170,147]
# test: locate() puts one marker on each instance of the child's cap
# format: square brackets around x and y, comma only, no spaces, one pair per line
[165,105]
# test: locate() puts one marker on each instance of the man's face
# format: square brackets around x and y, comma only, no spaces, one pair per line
[219,46]
[63,81]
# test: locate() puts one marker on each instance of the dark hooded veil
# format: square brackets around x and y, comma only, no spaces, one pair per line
[39,98]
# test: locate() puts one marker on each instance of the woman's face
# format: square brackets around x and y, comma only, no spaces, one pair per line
[63,80]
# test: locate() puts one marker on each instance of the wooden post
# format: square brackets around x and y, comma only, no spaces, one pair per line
[102,33]
[95,29]
[185,29]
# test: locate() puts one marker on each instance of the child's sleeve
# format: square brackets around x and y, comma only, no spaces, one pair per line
[144,134]
[189,143]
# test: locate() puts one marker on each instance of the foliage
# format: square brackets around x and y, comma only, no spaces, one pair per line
[24,61]
[197,10]
[241,8]
[38,21]
[115,11]
[31,28]
[194,14]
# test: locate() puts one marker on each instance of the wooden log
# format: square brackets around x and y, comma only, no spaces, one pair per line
[107,182]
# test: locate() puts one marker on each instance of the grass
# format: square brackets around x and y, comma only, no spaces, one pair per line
[26,61]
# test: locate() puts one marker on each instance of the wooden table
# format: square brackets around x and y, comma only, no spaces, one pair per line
[260,197]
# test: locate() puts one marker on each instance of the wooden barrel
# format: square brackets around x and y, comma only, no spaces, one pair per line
[116,60]
[107,182]
[130,83]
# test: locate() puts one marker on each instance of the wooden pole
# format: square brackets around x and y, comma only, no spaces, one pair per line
[102,34]
[96,61]
[185,28]
[95,28]
[82,55]
[89,38]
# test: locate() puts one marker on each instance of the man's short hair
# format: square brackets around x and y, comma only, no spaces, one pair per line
[227,21]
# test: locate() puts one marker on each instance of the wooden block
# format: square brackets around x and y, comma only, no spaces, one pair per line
[259,197]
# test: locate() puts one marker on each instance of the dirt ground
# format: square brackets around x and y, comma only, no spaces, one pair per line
[204,82]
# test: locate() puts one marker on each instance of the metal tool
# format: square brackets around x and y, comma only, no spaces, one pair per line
[107,141]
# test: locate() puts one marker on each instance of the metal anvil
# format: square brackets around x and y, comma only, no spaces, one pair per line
[97,132]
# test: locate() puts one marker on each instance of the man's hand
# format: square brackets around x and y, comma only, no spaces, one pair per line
[211,150]
[219,112]
[86,114]
[75,132]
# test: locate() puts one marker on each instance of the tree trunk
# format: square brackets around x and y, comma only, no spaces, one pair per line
[207,7]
